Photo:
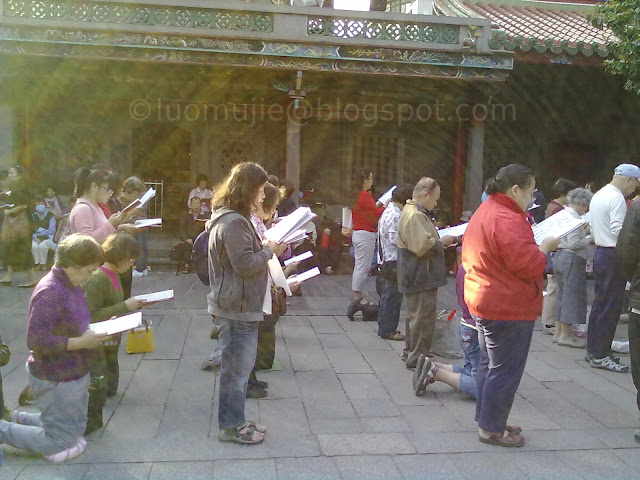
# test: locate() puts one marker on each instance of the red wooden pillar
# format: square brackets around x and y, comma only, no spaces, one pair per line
[458,176]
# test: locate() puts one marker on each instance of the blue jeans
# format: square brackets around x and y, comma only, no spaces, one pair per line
[471,350]
[239,342]
[141,261]
[389,310]
[504,347]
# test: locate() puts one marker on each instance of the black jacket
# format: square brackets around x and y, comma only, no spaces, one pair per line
[628,250]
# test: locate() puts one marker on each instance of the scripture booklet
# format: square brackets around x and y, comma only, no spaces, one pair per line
[140,202]
[387,195]
[161,296]
[117,325]
[456,231]
[148,222]
[299,258]
[288,227]
[301,277]
[559,225]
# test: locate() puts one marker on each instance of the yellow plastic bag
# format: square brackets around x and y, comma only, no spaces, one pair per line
[140,339]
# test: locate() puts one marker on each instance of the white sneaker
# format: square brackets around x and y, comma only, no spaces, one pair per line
[136,273]
[69,453]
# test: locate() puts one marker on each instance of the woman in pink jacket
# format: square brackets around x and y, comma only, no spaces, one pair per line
[91,188]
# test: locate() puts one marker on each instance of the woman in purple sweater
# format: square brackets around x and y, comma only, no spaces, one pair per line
[58,336]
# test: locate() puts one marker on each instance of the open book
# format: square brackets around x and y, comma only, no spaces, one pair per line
[456,231]
[148,222]
[301,277]
[140,202]
[288,225]
[162,296]
[117,325]
[559,225]
[387,195]
[299,258]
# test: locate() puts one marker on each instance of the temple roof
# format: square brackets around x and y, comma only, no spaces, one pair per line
[555,27]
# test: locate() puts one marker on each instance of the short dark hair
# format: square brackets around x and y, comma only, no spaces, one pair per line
[201,177]
[195,198]
[273,180]
[78,251]
[240,188]
[288,187]
[562,187]
[507,177]
[271,197]
[120,246]
[402,193]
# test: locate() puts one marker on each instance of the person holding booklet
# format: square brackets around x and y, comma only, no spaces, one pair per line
[60,341]
[569,270]
[105,299]
[503,290]
[238,271]
[133,188]
[365,214]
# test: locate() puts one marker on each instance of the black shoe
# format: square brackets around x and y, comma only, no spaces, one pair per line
[353,308]
[92,426]
[254,382]
[636,437]
[588,357]
[256,392]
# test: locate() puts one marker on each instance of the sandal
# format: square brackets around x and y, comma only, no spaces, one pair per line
[510,441]
[424,374]
[393,336]
[513,430]
[259,428]
[243,435]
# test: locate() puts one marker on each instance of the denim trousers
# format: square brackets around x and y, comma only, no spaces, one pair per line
[504,347]
[607,305]
[238,341]
[471,351]
[389,310]
[143,241]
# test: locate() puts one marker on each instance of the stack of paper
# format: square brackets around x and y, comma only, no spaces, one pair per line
[387,195]
[162,296]
[277,275]
[287,227]
[456,231]
[558,225]
[140,202]
[117,325]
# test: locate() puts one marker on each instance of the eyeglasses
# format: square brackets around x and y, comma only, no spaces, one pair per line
[109,191]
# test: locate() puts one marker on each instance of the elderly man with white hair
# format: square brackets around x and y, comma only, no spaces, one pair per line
[608,209]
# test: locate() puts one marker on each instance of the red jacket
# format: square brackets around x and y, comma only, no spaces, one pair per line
[503,263]
[365,213]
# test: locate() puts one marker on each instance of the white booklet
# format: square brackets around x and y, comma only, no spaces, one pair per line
[289,224]
[277,275]
[148,222]
[296,236]
[140,202]
[559,225]
[387,195]
[299,258]
[117,325]
[456,231]
[161,296]
[347,220]
[301,277]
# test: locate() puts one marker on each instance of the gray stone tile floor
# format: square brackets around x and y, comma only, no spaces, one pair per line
[341,406]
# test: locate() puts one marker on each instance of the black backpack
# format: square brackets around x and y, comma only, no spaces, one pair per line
[200,257]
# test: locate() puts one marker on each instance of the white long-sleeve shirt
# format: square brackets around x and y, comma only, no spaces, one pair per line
[608,210]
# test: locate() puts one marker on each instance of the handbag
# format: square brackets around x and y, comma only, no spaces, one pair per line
[15,227]
[5,354]
[278,301]
[140,339]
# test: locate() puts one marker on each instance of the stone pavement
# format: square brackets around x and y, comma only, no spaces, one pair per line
[342,405]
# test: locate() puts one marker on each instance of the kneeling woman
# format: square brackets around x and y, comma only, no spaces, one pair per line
[59,338]
[105,299]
